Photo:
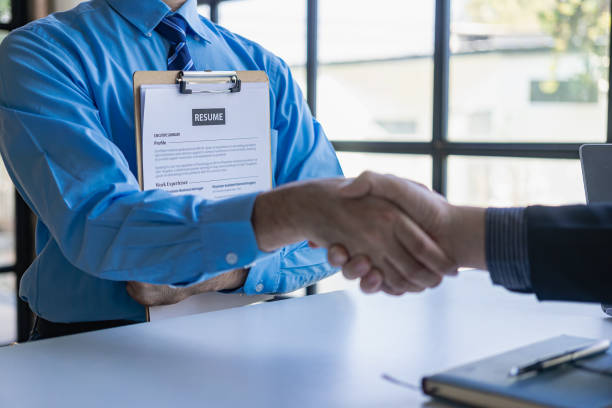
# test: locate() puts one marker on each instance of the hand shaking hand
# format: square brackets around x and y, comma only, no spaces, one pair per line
[431,227]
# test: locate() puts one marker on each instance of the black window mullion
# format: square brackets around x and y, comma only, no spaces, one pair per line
[24,254]
[445,148]
[312,70]
[214,11]
[440,94]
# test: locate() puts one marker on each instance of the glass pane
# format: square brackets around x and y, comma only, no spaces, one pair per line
[7,219]
[204,9]
[414,167]
[7,208]
[8,301]
[5,13]
[278,25]
[8,319]
[375,77]
[495,181]
[258,20]
[530,70]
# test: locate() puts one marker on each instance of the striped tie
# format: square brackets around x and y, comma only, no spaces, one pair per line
[174,29]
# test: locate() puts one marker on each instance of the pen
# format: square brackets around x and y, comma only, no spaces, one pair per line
[562,358]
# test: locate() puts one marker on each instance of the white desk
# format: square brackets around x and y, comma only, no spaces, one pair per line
[321,351]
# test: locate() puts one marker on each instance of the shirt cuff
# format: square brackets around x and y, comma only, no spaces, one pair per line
[228,237]
[506,248]
[263,277]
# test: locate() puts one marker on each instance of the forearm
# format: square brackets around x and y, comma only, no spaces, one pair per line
[293,212]
[467,232]
[493,239]
[274,219]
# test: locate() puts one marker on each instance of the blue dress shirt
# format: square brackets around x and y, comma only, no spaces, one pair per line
[67,140]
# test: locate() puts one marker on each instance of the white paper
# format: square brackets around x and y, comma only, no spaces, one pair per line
[204,303]
[215,161]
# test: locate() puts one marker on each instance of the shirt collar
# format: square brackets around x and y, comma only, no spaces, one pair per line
[147,14]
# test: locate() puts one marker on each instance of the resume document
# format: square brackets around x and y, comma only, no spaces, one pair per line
[216,145]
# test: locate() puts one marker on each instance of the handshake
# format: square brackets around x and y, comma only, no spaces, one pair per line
[393,234]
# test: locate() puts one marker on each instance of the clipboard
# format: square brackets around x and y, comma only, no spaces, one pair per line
[185,81]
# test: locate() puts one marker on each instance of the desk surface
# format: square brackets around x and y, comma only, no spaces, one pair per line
[326,350]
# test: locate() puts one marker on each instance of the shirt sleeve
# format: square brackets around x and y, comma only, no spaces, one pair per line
[300,151]
[79,184]
[506,248]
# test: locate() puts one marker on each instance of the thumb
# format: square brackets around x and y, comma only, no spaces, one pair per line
[359,187]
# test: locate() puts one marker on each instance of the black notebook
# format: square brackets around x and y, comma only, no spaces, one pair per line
[487,383]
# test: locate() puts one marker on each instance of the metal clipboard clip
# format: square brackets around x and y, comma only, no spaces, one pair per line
[186,78]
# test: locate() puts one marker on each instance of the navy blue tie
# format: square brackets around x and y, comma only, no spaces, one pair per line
[174,29]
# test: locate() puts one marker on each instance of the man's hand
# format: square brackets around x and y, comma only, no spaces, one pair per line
[408,259]
[459,231]
[148,294]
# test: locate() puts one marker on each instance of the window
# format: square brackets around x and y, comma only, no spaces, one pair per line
[537,70]
[507,182]
[279,25]
[375,70]
[487,101]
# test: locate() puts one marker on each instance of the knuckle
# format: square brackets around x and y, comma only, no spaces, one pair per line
[419,246]
[368,174]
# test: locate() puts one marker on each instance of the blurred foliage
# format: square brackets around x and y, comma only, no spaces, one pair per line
[577,26]
[5,11]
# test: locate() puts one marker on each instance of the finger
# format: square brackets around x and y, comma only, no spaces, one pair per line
[423,248]
[409,268]
[372,281]
[313,245]
[358,187]
[357,267]
[394,292]
[337,255]
[397,281]
[368,182]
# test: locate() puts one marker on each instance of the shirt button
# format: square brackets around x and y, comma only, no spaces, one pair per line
[231,258]
[149,34]
[259,287]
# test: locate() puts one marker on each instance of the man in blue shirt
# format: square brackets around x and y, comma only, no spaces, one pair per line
[67,140]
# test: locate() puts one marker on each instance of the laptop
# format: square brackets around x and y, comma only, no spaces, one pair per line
[596,160]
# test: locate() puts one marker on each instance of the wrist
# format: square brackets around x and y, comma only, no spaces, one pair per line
[466,231]
[276,217]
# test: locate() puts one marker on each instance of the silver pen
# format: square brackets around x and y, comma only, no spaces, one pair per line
[562,358]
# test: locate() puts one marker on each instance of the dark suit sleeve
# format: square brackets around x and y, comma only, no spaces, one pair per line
[570,252]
